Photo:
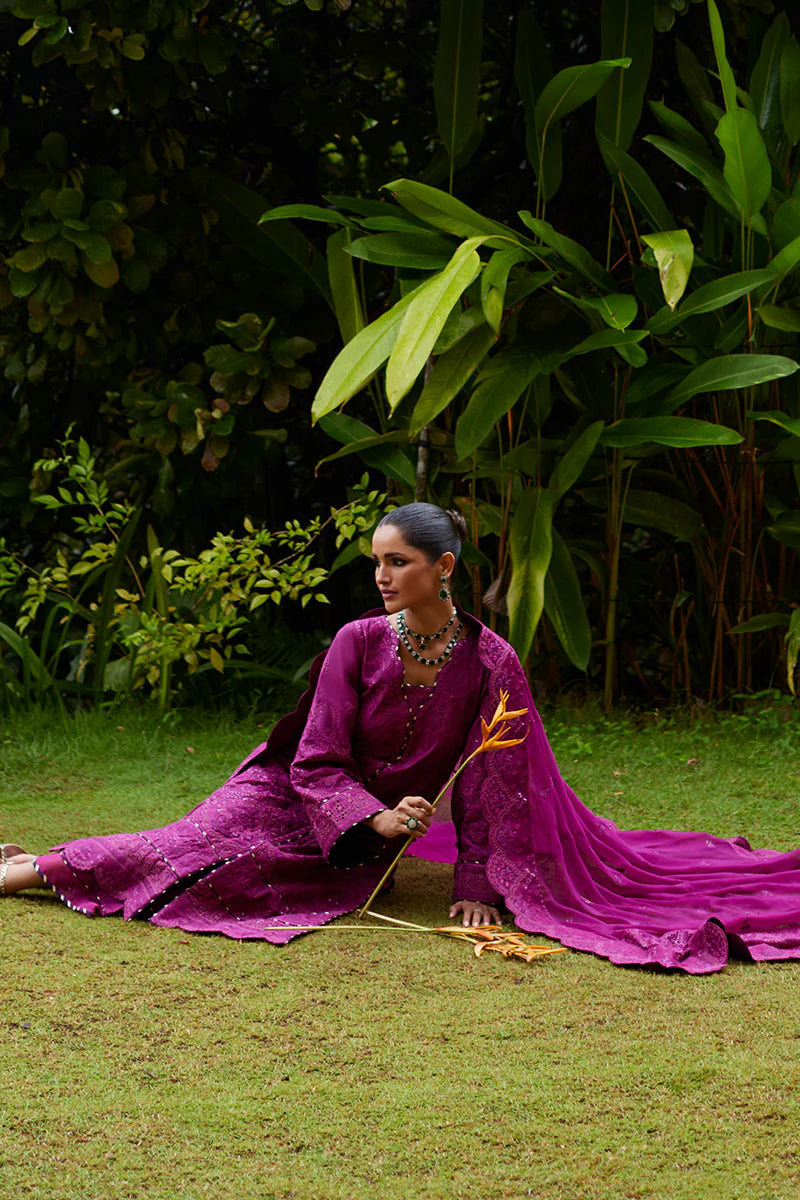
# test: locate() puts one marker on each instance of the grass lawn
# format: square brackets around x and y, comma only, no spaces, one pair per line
[145,1062]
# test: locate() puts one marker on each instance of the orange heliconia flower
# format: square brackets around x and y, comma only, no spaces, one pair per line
[493,735]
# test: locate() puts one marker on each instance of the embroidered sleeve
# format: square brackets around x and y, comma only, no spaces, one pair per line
[324,773]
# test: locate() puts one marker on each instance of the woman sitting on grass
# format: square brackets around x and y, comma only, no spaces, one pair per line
[304,829]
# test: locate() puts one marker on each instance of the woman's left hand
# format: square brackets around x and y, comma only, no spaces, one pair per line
[475,913]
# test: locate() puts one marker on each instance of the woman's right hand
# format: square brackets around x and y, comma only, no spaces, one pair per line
[392,822]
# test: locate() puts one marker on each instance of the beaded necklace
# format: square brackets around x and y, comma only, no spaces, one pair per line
[425,639]
[403,632]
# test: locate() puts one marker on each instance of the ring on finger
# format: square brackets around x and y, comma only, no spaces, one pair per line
[412,823]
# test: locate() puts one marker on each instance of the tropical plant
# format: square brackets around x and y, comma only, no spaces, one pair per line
[518,366]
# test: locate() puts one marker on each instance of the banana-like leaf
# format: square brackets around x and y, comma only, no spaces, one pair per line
[732,371]
[786,259]
[681,129]
[765,80]
[532,71]
[696,82]
[712,179]
[564,605]
[530,541]
[636,183]
[569,468]
[786,530]
[456,74]
[761,622]
[449,375]
[712,296]
[723,66]
[652,510]
[444,212]
[747,168]
[607,339]
[499,388]
[494,281]
[656,378]
[674,254]
[418,250]
[344,288]
[626,29]
[617,309]
[375,449]
[365,354]
[790,424]
[776,316]
[425,318]
[790,89]
[305,212]
[786,223]
[571,251]
[280,245]
[668,431]
[562,94]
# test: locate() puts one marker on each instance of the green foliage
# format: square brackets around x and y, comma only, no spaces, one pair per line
[121,622]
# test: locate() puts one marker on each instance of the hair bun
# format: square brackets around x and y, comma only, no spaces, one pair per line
[458,521]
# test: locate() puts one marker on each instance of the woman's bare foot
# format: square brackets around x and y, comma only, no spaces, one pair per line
[17,873]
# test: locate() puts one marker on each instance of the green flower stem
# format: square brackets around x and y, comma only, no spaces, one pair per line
[410,838]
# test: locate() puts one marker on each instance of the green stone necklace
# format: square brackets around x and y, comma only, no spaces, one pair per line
[424,639]
[404,631]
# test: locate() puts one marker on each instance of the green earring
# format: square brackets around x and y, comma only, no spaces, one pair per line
[443,592]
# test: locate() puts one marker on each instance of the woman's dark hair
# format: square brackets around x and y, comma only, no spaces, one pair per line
[428,528]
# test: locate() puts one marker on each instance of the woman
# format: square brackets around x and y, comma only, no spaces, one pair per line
[303,830]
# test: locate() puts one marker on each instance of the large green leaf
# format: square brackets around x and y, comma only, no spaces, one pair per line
[696,82]
[501,384]
[564,605]
[723,66]
[765,80]
[530,541]
[22,648]
[532,71]
[456,74]
[668,431]
[572,252]
[305,212]
[674,254]
[617,309]
[607,339]
[704,169]
[425,318]
[790,90]
[562,94]
[790,424]
[278,245]
[572,87]
[344,288]
[425,251]
[732,371]
[712,296]
[494,281]
[747,168]
[570,466]
[652,510]
[375,449]
[626,29]
[786,530]
[444,212]
[355,365]
[776,316]
[636,183]
[676,124]
[449,375]
[786,259]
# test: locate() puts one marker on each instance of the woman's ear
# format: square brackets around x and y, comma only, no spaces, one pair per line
[446,563]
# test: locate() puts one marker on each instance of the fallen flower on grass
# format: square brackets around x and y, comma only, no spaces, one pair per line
[492,937]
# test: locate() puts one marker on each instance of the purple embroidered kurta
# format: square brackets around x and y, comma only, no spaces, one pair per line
[281,842]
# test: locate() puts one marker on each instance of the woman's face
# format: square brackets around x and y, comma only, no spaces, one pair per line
[406,577]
